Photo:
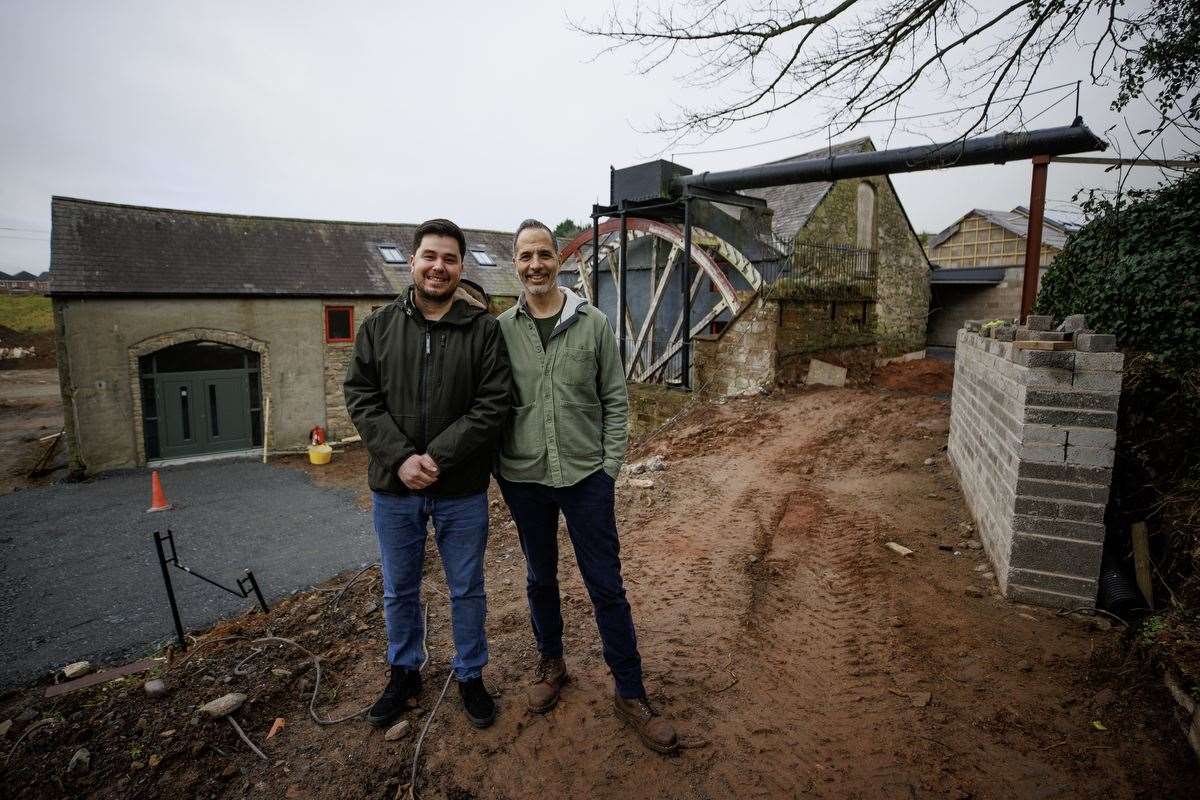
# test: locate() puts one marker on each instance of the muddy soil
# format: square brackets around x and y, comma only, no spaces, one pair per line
[30,409]
[798,656]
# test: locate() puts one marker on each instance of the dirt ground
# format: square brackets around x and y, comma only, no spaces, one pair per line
[42,343]
[30,409]
[798,656]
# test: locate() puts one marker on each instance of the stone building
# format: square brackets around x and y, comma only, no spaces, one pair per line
[185,333]
[862,214]
[979,268]
[838,272]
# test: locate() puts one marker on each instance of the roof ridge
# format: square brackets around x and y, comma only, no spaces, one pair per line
[109,204]
[827,148]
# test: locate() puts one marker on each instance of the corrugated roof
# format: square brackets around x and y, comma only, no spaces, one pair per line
[1054,232]
[794,204]
[108,248]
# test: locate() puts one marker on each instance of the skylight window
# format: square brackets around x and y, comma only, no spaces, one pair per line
[391,254]
[482,258]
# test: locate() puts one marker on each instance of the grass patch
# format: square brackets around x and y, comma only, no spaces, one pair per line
[27,313]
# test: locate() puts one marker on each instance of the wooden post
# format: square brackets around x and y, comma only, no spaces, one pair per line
[1033,235]
[1141,561]
[266,424]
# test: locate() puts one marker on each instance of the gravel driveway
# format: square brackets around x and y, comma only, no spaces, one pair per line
[79,577]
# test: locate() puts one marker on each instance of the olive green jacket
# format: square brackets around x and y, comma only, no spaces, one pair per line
[570,404]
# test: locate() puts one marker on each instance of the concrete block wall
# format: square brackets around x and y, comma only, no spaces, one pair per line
[1032,438]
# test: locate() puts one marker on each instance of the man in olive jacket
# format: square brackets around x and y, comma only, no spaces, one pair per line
[562,451]
[428,389]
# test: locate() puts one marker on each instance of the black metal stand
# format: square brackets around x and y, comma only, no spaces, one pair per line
[245,584]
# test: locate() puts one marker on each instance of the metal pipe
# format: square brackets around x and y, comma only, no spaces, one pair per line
[1033,235]
[166,575]
[1074,138]
[685,350]
[595,257]
[622,286]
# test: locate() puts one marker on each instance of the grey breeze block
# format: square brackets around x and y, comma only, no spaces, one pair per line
[1032,439]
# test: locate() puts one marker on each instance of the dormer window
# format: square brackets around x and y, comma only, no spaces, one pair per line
[391,254]
[481,256]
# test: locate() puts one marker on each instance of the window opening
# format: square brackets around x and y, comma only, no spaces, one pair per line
[212,410]
[482,258]
[391,254]
[339,324]
[183,405]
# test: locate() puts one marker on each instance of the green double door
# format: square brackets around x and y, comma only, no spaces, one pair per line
[203,412]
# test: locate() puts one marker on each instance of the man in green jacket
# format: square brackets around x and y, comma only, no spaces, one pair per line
[428,389]
[562,451]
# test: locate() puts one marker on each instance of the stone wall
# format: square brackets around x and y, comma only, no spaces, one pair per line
[1032,436]
[741,359]
[337,358]
[651,405]
[773,341]
[903,285]
[100,339]
[830,331]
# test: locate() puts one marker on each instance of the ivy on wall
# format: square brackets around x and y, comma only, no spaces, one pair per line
[1134,270]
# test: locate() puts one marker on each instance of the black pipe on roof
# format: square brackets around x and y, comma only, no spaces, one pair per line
[1074,138]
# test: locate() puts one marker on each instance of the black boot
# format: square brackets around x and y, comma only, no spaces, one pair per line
[479,705]
[404,685]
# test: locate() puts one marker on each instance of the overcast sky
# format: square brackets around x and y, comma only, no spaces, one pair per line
[384,111]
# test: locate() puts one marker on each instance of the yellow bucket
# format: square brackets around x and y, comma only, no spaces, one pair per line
[320,453]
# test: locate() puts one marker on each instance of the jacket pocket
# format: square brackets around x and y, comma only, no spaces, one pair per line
[579,429]
[575,366]
[523,434]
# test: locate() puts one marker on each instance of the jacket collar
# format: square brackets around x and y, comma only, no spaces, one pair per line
[570,311]
[463,309]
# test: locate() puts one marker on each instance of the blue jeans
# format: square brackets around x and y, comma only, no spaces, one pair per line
[460,527]
[592,525]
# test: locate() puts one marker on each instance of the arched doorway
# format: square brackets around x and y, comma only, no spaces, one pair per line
[200,397]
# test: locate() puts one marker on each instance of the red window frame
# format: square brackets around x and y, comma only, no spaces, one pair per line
[350,311]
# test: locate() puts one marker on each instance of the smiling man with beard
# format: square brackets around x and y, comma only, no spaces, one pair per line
[428,389]
[561,452]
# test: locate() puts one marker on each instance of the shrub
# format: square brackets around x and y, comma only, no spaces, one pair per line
[1134,270]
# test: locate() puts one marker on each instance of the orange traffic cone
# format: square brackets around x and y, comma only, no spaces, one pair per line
[158,500]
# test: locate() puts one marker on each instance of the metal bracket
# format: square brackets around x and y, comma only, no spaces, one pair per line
[245,585]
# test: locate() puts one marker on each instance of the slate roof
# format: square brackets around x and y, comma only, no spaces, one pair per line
[794,204]
[1054,232]
[23,275]
[99,248]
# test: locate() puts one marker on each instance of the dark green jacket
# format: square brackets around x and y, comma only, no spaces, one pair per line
[441,388]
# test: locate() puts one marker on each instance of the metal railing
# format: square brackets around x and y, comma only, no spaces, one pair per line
[820,272]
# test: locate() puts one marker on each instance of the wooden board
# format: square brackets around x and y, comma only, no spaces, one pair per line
[1026,345]
[101,677]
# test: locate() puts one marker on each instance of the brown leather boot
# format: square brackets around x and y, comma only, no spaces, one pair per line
[655,732]
[551,676]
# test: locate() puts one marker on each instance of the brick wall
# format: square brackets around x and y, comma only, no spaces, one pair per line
[1032,434]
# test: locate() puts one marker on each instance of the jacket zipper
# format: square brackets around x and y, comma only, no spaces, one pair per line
[425,394]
